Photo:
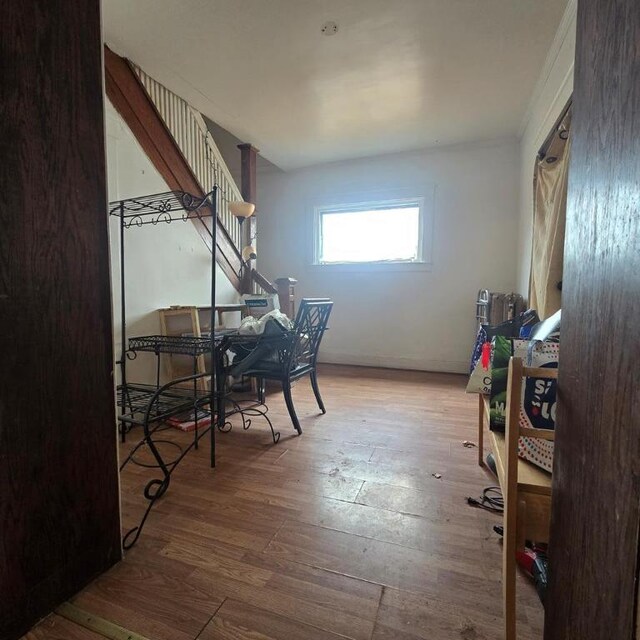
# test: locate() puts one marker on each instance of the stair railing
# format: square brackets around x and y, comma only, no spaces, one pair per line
[199,149]
[191,134]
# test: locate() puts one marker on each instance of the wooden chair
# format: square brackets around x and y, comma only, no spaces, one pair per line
[298,358]
[525,487]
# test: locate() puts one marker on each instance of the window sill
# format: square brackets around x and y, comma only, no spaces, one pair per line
[360,267]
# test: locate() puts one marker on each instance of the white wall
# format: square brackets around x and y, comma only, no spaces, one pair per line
[552,92]
[165,264]
[407,319]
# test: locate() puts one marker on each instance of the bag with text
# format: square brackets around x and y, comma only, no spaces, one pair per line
[480,369]
[538,402]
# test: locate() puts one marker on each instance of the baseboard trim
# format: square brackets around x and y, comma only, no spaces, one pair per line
[393,362]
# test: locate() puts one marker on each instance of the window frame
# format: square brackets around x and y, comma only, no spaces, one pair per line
[345,204]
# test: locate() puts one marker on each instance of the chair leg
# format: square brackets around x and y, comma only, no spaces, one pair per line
[316,391]
[261,385]
[286,388]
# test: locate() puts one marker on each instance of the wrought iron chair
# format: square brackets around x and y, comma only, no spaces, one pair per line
[298,357]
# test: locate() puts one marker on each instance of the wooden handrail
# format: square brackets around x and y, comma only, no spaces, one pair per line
[136,97]
[262,282]
[192,136]
[128,96]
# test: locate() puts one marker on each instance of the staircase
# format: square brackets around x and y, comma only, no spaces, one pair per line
[177,141]
[194,140]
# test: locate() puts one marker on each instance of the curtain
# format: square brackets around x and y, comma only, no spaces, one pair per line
[549,214]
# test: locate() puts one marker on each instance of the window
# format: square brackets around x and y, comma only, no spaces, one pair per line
[379,232]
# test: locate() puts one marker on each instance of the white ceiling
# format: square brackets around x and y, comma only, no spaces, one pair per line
[398,75]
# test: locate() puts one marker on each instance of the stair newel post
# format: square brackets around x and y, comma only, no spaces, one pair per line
[248,157]
[287,295]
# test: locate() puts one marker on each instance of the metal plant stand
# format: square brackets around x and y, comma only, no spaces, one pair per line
[148,406]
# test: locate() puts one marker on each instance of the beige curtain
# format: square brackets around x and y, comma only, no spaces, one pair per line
[549,214]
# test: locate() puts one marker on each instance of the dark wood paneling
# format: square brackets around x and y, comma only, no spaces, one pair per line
[59,510]
[597,462]
[129,98]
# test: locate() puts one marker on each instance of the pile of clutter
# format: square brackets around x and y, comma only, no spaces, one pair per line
[538,344]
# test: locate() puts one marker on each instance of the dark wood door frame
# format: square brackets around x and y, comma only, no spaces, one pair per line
[59,497]
[596,487]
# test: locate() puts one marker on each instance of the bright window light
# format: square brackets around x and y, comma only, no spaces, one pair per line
[369,234]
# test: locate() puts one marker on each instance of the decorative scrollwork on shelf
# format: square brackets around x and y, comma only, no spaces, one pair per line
[135,221]
[162,207]
[190,202]
[165,216]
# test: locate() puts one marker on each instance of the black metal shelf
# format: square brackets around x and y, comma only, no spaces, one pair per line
[169,206]
[148,405]
[185,345]
[138,397]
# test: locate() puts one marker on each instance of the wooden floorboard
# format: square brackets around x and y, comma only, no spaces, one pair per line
[55,627]
[343,532]
[236,620]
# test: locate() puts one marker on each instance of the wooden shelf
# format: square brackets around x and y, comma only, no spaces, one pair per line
[525,487]
[531,479]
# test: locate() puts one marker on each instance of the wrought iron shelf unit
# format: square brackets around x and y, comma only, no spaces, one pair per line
[147,406]
[183,345]
[142,398]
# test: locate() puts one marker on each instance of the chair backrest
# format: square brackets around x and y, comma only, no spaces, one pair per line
[309,327]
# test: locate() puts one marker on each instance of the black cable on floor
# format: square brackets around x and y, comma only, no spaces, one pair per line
[490,500]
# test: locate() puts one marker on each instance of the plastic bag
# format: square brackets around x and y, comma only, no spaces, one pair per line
[255,326]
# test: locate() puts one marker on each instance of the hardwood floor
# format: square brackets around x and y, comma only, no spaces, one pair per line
[342,532]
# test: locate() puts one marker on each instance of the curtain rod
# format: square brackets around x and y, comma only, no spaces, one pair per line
[542,152]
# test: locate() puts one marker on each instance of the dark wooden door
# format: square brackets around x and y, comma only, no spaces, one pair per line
[59,512]
[596,493]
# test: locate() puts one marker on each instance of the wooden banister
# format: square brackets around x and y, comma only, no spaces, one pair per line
[262,282]
[129,98]
[142,103]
